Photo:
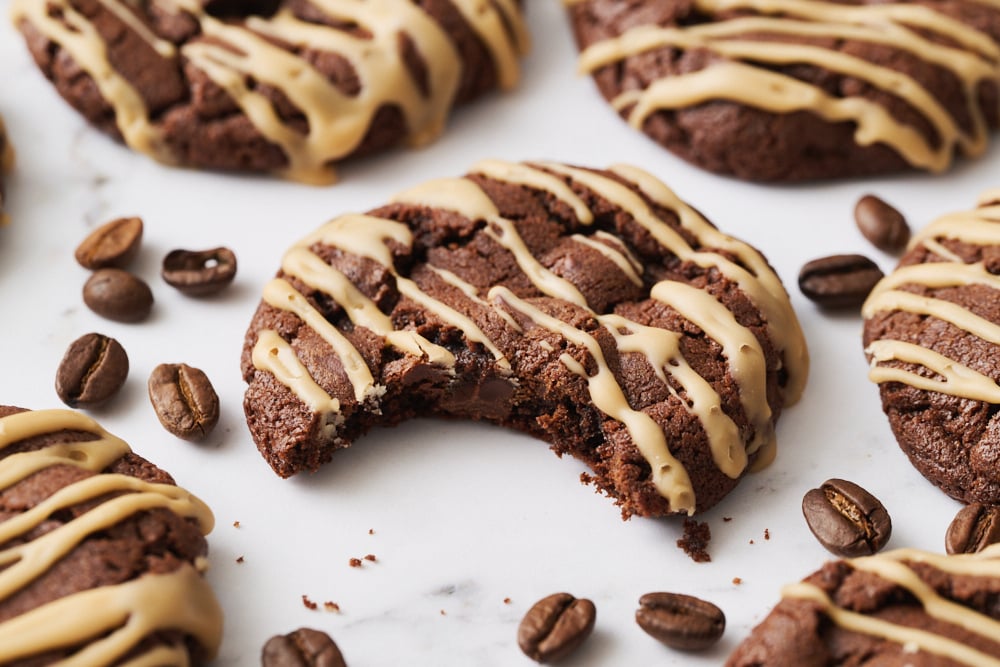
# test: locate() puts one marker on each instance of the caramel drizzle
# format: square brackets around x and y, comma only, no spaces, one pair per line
[978,227]
[366,236]
[740,80]
[337,122]
[114,619]
[894,567]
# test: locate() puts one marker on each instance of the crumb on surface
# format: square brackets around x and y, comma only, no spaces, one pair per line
[354,562]
[370,557]
[443,613]
[695,540]
[767,534]
[506,600]
[236,524]
[371,531]
[239,559]
[309,604]
[737,580]
[751,540]
[727,519]
[331,606]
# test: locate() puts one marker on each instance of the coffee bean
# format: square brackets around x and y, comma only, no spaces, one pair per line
[846,519]
[839,281]
[974,528]
[184,400]
[303,648]
[680,621]
[555,626]
[112,244]
[93,369]
[881,224]
[199,272]
[118,295]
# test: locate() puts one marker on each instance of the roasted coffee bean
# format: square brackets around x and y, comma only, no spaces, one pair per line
[199,272]
[846,519]
[555,626]
[112,244]
[303,648]
[118,295]
[839,281]
[881,224]
[680,621]
[974,528]
[184,400]
[93,369]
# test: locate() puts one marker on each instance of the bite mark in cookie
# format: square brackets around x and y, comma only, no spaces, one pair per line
[662,359]
[799,89]
[932,331]
[101,553]
[294,91]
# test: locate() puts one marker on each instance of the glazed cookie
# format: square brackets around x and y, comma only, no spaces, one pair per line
[592,309]
[791,90]
[904,608]
[288,86]
[932,335]
[101,554]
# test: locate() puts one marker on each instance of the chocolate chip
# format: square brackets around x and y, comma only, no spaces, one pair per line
[846,519]
[555,626]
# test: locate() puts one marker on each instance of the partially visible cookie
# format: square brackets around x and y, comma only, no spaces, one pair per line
[590,308]
[903,608]
[6,164]
[932,335]
[289,86]
[101,555]
[786,90]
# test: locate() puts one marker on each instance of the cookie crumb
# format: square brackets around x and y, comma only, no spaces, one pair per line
[370,557]
[309,604]
[355,562]
[236,524]
[767,534]
[331,606]
[751,540]
[695,541]
[371,531]
[727,519]
[442,613]
[506,600]
[737,581]
[239,559]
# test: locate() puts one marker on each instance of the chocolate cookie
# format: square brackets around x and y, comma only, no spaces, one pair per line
[100,553]
[932,335]
[6,164]
[904,608]
[290,86]
[786,90]
[592,309]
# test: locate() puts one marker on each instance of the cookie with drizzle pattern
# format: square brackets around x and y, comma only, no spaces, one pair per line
[292,87]
[794,90]
[590,308]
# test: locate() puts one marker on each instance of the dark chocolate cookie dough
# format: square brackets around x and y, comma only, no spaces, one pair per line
[791,90]
[290,86]
[932,334]
[904,608]
[592,309]
[101,555]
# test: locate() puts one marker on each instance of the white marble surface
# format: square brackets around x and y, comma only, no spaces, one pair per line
[464,516]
